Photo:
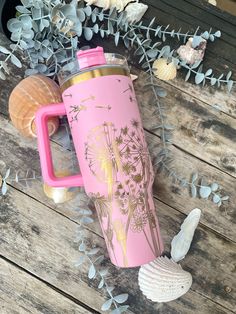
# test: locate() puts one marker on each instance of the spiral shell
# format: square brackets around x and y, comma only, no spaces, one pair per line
[27,97]
[163,70]
[60,194]
[163,280]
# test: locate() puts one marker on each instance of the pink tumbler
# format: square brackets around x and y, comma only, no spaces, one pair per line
[116,170]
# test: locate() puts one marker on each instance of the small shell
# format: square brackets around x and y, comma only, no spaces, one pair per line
[192,55]
[135,12]
[181,242]
[107,4]
[163,70]
[62,194]
[27,97]
[163,280]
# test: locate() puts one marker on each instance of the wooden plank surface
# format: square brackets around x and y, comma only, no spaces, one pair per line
[41,241]
[21,293]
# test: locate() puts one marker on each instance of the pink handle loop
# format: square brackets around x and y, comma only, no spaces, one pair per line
[45,155]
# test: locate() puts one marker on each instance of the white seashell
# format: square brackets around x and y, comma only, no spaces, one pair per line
[181,242]
[107,4]
[163,280]
[135,12]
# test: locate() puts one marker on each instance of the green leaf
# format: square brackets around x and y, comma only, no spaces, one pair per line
[99,259]
[225,198]
[187,75]
[193,191]
[7,173]
[214,187]
[208,72]
[94,251]
[4,50]
[213,80]
[230,85]
[121,298]
[194,177]
[87,10]
[4,188]
[106,305]
[103,272]
[88,33]
[2,75]
[205,35]
[204,191]
[199,78]
[216,198]
[101,283]
[217,34]
[228,75]
[117,37]
[82,247]
[22,9]
[86,220]
[91,272]
[152,53]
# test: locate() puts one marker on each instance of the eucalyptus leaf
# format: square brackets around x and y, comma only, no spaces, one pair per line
[4,50]
[117,37]
[91,272]
[101,283]
[213,81]
[22,9]
[86,220]
[199,77]
[230,85]
[82,247]
[194,177]
[214,187]
[88,33]
[121,298]
[193,191]
[187,75]
[106,305]
[94,251]
[217,34]
[4,188]
[16,61]
[225,198]
[120,309]
[208,72]
[205,191]
[216,198]
[7,174]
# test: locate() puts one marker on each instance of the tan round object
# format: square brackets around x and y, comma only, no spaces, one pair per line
[60,195]
[27,97]
[163,70]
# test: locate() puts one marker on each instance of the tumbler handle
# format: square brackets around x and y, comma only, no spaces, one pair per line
[45,155]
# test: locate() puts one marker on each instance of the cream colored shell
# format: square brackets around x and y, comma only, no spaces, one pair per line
[107,4]
[135,11]
[61,194]
[181,242]
[163,280]
[163,70]
[27,97]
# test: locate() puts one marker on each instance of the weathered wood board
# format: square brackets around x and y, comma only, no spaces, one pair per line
[21,293]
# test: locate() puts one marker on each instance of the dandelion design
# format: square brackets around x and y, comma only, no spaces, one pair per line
[120,159]
[75,111]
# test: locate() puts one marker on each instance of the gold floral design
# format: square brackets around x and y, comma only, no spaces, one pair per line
[120,159]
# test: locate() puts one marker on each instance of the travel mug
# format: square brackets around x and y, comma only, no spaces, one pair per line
[116,170]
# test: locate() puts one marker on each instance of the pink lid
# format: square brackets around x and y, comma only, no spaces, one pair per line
[91,57]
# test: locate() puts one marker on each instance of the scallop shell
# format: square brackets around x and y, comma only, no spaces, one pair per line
[61,194]
[181,242]
[163,70]
[163,280]
[27,97]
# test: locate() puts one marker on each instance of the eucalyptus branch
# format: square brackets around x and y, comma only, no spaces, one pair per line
[95,259]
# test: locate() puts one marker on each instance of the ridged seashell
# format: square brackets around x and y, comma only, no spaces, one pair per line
[107,4]
[181,242]
[163,280]
[62,194]
[192,55]
[27,97]
[135,11]
[163,70]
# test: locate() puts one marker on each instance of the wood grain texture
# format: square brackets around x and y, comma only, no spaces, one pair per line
[200,130]
[41,241]
[21,293]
